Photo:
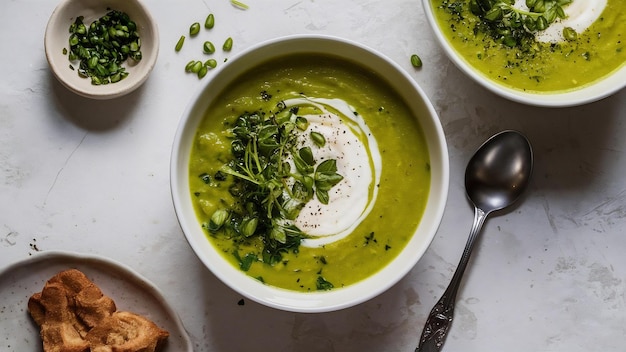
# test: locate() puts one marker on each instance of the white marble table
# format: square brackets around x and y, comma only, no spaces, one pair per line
[93,177]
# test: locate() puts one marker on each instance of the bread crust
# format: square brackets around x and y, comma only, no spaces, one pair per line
[75,316]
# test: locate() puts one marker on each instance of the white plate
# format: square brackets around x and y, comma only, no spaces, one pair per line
[128,289]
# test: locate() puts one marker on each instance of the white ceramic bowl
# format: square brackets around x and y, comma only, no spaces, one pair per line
[323,300]
[594,92]
[57,38]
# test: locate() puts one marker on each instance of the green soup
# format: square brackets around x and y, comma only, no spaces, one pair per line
[565,66]
[404,179]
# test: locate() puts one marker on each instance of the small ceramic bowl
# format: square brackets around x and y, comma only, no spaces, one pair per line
[319,301]
[57,39]
[592,92]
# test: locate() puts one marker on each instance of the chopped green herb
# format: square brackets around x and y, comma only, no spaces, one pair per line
[210,21]
[196,66]
[270,193]
[370,238]
[416,61]
[570,34]
[179,44]
[211,63]
[103,46]
[190,65]
[228,44]
[323,285]
[218,219]
[206,178]
[203,71]
[239,4]
[318,139]
[246,262]
[301,122]
[194,29]
[208,47]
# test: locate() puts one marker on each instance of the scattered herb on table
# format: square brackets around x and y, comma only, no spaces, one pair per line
[208,47]
[209,23]
[239,4]
[228,44]
[416,61]
[270,192]
[179,44]
[196,66]
[194,29]
[211,63]
[102,47]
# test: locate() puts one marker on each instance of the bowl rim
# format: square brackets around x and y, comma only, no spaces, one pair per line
[570,98]
[323,301]
[150,49]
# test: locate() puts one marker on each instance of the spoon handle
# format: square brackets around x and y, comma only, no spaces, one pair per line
[441,315]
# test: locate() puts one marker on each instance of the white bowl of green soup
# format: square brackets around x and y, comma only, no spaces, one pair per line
[310,173]
[552,53]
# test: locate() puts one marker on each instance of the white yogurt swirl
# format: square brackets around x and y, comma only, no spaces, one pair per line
[351,143]
[581,14]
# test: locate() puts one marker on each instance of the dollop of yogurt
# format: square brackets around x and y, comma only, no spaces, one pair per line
[350,142]
[581,14]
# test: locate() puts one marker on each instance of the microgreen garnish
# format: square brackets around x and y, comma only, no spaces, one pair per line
[512,26]
[270,193]
[245,262]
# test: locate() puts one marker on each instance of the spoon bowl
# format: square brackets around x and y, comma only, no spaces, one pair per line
[497,174]
[495,177]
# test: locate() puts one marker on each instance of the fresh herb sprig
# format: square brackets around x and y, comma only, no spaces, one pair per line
[515,27]
[270,192]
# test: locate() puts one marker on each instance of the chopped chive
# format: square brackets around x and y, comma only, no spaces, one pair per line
[194,29]
[212,63]
[318,139]
[103,46]
[190,65]
[208,47]
[203,71]
[416,61]
[570,34]
[239,4]
[210,21]
[196,67]
[180,43]
[228,44]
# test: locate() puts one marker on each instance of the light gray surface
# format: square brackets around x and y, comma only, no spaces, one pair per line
[93,177]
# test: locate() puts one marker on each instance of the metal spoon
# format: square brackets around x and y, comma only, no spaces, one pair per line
[495,177]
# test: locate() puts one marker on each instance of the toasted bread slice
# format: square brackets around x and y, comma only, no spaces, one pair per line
[75,316]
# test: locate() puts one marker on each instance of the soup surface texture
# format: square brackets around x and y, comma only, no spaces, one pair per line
[553,67]
[388,206]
